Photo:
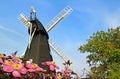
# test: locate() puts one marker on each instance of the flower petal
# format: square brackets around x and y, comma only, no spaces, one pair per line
[1,61]
[29,65]
[40,69]
[52,68]
[16,74]
[31,70]
[23,71]
[7,68]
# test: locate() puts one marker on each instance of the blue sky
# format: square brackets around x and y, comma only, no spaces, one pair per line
[88,16]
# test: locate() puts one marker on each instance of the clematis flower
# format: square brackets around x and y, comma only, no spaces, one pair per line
[34,67]
[18,69]
[7,67]
[8,63]
[52,65]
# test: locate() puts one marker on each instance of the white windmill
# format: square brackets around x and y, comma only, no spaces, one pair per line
[57,19]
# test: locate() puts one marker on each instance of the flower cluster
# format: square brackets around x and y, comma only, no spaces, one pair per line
[13,67]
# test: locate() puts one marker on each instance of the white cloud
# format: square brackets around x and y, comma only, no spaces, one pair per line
[10,30]
[9,43]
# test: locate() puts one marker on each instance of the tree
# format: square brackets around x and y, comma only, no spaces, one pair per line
[104,57]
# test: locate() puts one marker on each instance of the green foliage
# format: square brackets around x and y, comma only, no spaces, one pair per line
[104,57]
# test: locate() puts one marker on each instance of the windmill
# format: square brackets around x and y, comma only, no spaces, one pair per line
[29,23]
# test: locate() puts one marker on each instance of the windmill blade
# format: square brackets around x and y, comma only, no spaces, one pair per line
[25,20]
[66,11]
[57,50]
[31,37]
[28,24]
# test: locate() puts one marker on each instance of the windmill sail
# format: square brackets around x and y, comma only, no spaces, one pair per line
[57,49]
[66,11]
[28,24]
[25,20]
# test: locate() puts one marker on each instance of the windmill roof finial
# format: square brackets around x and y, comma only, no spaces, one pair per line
[32,13]
[32,10]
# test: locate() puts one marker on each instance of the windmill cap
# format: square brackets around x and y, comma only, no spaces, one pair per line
[32,9]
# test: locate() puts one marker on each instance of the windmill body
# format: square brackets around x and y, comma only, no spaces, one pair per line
[39,49]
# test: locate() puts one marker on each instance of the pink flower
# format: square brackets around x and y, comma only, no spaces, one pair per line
[20,68]
[52,65]
[8,68]
[34,67]
[16,68]
[30,67]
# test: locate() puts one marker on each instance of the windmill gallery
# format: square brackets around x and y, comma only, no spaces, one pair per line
[39,44]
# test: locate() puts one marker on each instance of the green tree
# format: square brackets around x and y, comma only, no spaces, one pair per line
[104,57]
